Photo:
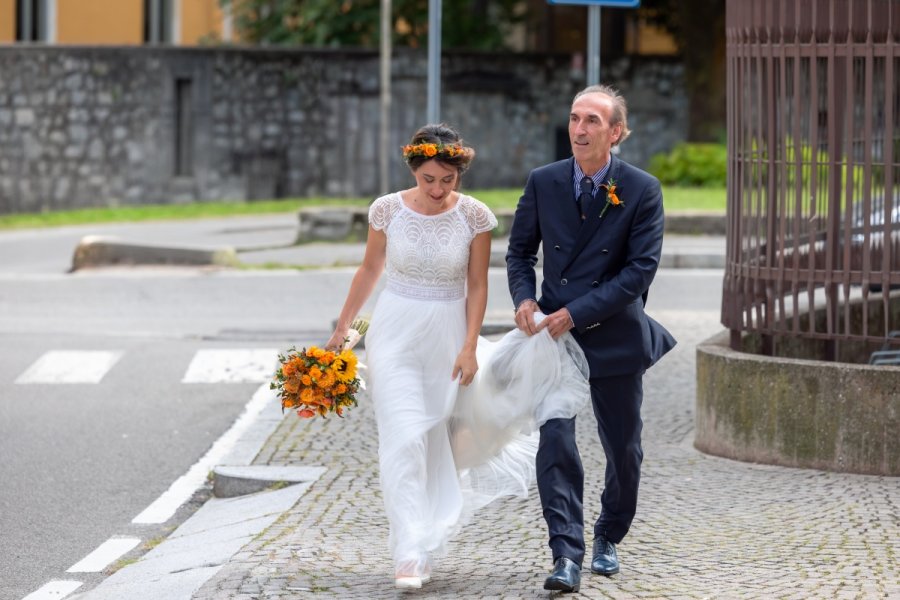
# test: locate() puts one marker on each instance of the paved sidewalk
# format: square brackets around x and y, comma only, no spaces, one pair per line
[706,527]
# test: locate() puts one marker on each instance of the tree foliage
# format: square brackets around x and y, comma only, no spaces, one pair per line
[466,24]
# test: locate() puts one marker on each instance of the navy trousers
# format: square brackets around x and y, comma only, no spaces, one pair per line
[560,475]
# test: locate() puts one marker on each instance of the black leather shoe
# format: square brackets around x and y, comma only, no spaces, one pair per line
[605,561]
[566,576]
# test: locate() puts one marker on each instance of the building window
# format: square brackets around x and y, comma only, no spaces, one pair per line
[159,19]
[33,20]
[184,129]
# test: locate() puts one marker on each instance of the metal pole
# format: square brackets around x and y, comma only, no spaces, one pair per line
[593,49]
[384,154]
[434,61]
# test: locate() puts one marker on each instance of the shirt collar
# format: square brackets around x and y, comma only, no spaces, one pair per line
[597,177]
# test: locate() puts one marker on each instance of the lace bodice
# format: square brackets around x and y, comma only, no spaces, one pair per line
[428,255]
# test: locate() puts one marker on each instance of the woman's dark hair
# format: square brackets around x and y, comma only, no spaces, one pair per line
[441,143]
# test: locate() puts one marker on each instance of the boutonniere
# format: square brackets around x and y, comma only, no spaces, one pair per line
[612,198]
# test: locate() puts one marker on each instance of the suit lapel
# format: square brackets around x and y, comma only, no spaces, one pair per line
[593,221]
[564,190]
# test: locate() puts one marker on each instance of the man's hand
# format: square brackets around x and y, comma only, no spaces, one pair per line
[557,323]
[525,317]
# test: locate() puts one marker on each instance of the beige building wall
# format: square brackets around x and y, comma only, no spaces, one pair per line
[99,21]
[646,38]
[7,21]
[200,20]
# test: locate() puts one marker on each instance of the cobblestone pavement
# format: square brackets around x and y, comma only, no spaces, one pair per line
[706,527]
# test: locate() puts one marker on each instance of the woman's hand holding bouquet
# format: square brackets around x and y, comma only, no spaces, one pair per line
[318,381]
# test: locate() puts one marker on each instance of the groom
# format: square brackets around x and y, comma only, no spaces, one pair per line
[601,224]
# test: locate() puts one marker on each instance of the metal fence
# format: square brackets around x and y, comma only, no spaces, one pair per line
[814,170]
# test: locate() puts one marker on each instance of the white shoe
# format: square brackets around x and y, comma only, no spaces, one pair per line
[409,583]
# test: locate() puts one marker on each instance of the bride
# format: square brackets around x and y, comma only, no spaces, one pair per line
[452,438]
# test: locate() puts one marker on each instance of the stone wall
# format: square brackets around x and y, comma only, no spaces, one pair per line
[82,126]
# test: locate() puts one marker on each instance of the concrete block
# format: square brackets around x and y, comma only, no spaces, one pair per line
[332,224]
[796,412]
[99,251]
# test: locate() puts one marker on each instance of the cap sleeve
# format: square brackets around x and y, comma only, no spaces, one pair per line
[478,215]
[382,210]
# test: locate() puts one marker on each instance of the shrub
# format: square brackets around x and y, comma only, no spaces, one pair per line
[692,165]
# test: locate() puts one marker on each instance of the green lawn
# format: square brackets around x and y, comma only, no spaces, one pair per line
[676,199]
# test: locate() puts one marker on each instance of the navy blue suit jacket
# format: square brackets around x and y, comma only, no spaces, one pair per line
[600,270]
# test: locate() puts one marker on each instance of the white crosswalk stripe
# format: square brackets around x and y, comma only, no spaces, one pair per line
[55,590]
[232,366]
[106,553]
[235,365]
[70,366]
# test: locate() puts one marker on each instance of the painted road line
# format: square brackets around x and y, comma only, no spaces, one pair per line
[232,366]
[105,554]
[55,590]
[70,366]
[184,487]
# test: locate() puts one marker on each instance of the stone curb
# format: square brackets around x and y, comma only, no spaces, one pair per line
[98,251]
[232,481]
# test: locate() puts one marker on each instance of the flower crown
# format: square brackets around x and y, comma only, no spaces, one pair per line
[430,150]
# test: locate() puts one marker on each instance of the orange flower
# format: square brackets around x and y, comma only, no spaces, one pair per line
[292,386]
[306,395]
[327,358]
[306,413]
[327,380]
[315,373]
[612,198]
[340,389]
[289,369]
[430,150]
[306,380]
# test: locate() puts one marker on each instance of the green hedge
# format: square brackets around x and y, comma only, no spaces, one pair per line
[703,165]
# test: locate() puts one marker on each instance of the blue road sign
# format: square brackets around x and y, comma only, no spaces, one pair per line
[618,3]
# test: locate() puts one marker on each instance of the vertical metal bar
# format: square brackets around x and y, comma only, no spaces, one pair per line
[26,21]
[384,137]
[835,120]
[868,140]
[434,61]
[813,177]
[890,104]
[771,190]
[799,61]
[783,138]
[593,48]
[155,25]
[849,196]
[763,143]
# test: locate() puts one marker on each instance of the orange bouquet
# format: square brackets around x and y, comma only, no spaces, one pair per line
[315,381]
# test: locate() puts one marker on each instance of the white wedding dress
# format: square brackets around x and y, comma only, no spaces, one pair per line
[444,449]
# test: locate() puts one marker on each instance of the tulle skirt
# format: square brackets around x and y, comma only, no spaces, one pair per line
[446,450]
